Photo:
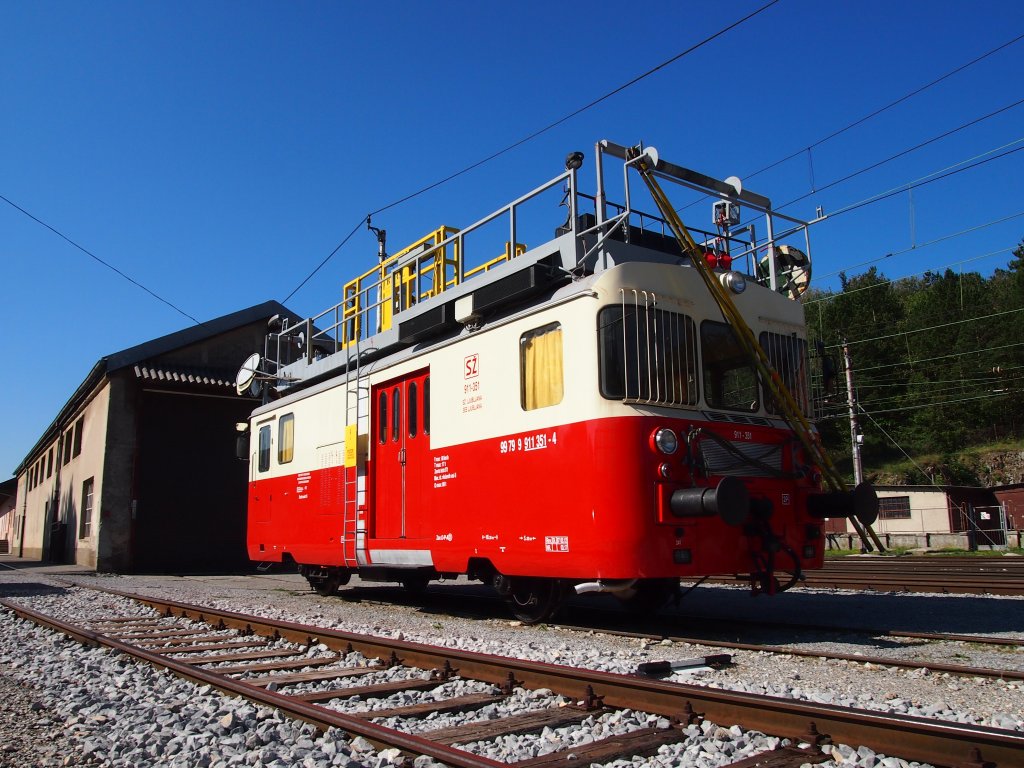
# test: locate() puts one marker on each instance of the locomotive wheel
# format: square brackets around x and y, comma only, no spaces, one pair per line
[533,600]
[327,586]
[651,595]
[416,583]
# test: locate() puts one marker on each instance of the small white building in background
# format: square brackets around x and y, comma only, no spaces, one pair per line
[939,516]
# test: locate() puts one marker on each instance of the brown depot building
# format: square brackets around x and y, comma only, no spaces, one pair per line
[138,471]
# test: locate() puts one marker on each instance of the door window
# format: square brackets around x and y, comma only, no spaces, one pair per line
[396,414]
[413,416]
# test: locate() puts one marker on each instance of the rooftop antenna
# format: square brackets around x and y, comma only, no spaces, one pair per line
[250,377]
[382,238]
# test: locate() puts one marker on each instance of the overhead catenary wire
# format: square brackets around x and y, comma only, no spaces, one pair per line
[938,357]
[950,170]
[919,246]
[957,388]
[892,280]
[892,440]
[907,332]
[327,258]
[890,105]
[875,112]
[103,262]
[991,379]
[901,153]
[989,396]
[518,143]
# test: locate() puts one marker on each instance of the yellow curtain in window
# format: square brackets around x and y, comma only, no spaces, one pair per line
[542,370]
[286,440]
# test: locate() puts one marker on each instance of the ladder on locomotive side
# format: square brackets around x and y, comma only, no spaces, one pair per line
[357,396]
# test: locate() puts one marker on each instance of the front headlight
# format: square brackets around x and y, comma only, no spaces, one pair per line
[734,281]
[666,441]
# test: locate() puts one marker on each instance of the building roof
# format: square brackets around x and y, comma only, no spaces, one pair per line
[134,356]
[175,375]
[954,491]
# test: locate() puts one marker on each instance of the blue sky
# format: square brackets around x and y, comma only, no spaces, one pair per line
[217,152]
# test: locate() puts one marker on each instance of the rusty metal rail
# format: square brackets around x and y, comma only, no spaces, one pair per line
[995,576]
[859,658]
[912,738]
[913,574]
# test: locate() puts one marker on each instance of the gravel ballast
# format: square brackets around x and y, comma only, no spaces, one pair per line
[71,705]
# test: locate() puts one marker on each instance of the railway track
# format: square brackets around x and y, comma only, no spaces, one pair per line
[617,622]
[860,658]
[991,576]
[266,659]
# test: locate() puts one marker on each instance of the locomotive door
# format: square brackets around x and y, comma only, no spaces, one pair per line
[401,421]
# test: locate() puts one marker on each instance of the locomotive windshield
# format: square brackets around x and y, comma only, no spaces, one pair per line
[788,356]
[647,355]
[730,381]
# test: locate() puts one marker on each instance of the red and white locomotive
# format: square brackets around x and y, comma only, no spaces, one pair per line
[574,415]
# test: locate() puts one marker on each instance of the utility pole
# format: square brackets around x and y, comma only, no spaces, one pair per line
[856,438]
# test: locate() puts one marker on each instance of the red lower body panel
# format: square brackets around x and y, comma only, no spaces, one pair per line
[578,501]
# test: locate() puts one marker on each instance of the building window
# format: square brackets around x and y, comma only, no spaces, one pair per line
[264,452]
[49,463]
[67,447]
[286,438]
[894,508]
[540,367]
[85,526]
[730,381]
[76,447]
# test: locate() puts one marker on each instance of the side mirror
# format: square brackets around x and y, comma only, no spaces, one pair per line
[242,446]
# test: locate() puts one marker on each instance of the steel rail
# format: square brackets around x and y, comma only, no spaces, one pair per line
[911,738]
[462,593]
[897,583]
[881,661]
[894,583]
[311,713]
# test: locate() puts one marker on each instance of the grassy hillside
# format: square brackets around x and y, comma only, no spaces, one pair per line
[999,463]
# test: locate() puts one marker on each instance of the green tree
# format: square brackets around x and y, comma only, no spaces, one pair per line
[865,313]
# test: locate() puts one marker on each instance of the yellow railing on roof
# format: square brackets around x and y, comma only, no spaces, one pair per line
[419,271]
[489,265]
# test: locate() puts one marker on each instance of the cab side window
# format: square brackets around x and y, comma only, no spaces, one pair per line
[264,449]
